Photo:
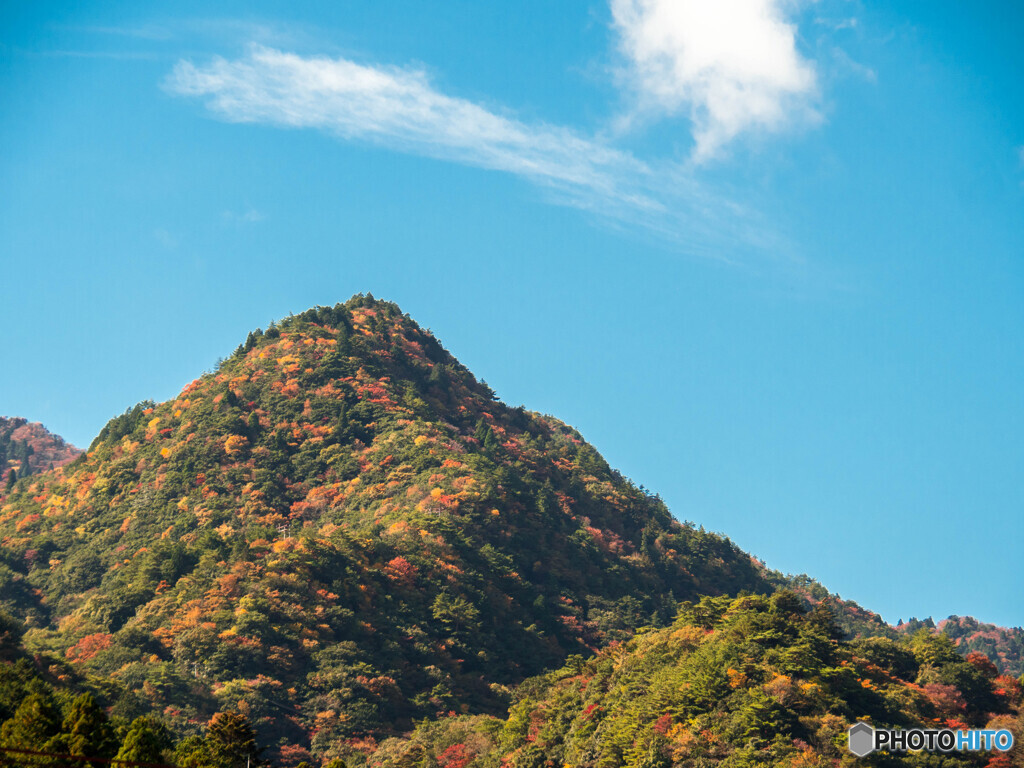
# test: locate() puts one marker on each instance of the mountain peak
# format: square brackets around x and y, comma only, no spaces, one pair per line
[340,494]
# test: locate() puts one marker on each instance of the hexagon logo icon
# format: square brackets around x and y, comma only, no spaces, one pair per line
[861,738]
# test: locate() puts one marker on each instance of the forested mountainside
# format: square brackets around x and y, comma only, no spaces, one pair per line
[747,681]
[340,546]
[853,621]
[1004,646]
[750,681]
[336,532]
[27,448]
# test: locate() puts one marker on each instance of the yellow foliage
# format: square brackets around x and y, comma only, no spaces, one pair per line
[152,423]
[235,444]
[420,439]
[436,493]
[165,452]
[688,637]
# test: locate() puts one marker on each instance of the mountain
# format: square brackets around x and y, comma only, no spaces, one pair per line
[1003,646]
[27,448]
[751,681]
[341,546]
[336,532]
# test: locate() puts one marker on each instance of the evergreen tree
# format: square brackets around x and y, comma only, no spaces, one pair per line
[11,631]
[87,731]
[35,726]
[12,478]
[145,742]
[231,740]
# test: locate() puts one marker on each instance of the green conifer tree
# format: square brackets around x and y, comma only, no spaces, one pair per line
[231,740]
[35,725]
[145,742]
[87,730]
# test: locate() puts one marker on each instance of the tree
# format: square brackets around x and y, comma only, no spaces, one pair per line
[145,741]
[35,725]
[12,478]
[455,612]
[231,739]
[87,731]
[11,631]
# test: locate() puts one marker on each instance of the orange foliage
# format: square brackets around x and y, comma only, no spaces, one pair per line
[27,520]
[88,647]
[401,570]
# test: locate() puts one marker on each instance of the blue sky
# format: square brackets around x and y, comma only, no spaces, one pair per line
[766,255]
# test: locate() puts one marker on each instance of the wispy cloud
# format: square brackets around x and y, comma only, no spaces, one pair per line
[165,238]
[144,32]
[838,24]
[401,109]
[115,55]
[251,216]
[731,66]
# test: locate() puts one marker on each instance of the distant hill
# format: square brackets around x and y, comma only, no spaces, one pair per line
[1003,646]
[27,448]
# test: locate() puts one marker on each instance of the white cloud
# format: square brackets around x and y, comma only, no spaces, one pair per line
[731,66]
[399,108]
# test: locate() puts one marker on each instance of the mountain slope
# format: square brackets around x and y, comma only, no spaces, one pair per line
[338,531]
[28,448]
[733,682]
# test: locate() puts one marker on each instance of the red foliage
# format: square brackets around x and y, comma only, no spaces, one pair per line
[291,755]
[982,663]
[456,756]
[1010,687]
[948,701]
[662,724]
